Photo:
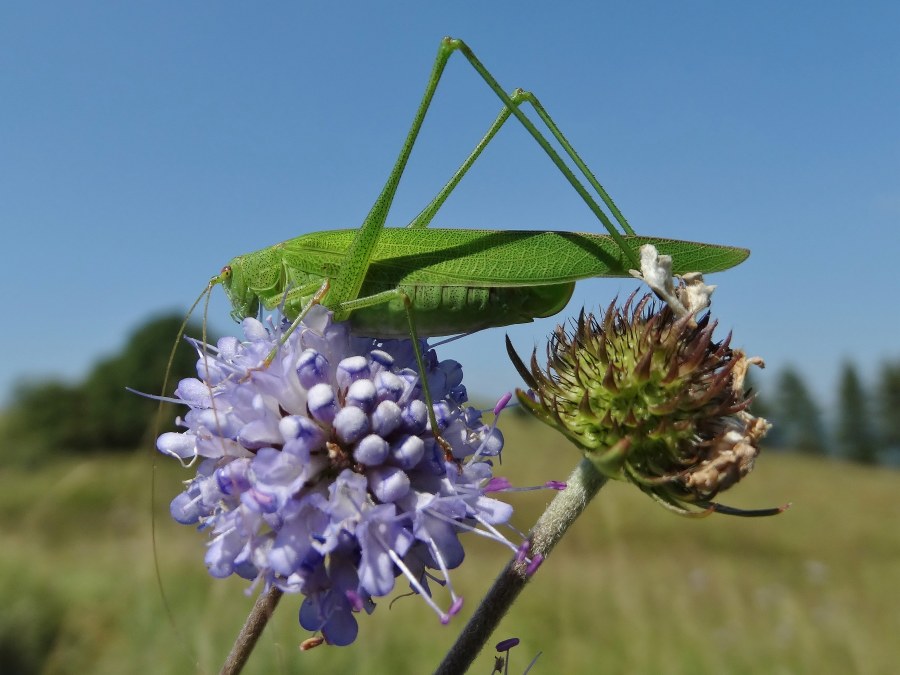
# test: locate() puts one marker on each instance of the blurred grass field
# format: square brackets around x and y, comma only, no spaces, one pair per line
[631,589]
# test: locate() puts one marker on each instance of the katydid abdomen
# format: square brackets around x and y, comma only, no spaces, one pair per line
[444,310]
[456,281]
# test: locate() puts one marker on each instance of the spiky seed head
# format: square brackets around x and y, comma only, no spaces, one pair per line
[650,398]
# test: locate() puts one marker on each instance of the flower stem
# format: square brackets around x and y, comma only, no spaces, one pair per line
[582,486]
[253,628]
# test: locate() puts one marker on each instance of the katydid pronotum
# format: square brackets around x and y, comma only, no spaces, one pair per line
[416,281]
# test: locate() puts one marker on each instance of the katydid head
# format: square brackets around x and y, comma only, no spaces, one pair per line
[244,302]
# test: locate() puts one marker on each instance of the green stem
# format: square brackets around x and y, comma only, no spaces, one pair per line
[582,486]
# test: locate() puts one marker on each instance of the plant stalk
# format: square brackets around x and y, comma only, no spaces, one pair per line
[256,621]
[582,486]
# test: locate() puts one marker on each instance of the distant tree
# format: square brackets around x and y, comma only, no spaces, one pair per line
[796,415]
[760,405]
[888,407]
[117,418]
[47,417]
[99,413]
[855,433]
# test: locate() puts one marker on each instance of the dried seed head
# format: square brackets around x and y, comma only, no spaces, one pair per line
[652,399]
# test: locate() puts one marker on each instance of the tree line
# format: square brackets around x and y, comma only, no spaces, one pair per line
[52,417]
[864,426]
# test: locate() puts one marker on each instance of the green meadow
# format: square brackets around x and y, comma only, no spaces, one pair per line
[631,589]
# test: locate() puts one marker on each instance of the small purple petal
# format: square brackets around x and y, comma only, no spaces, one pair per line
[229,347]
[178,445]
[493,511]
[459,394]
[378,533]
[388,483]
[260,433]
[381,360]
[312,368]
[408,451]
[192,390]
[292,547]
[330,613]
[321,403]
[442,414]
[371,450]
[389,386]
[415,417]
[387,418]
[491,443]
[231,479]
[362,394]
[351,424]
[186,509]
[254,330]
[443,537]
[351,369]
[301,434]
[453,372]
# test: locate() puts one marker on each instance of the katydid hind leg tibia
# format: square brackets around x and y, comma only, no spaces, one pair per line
[518,97]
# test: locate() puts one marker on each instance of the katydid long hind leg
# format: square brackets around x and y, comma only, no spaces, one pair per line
[570,151]
[347,284]
[428,213]
[154,473]
[519,96]
[545,145]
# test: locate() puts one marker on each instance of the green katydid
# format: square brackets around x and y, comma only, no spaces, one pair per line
[391,282]
[450,280]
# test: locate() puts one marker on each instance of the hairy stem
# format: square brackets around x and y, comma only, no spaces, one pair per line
[253,628]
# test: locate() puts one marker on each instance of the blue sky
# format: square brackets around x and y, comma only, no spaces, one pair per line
[142,145]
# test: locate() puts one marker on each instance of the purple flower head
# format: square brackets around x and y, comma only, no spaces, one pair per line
[320,474]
